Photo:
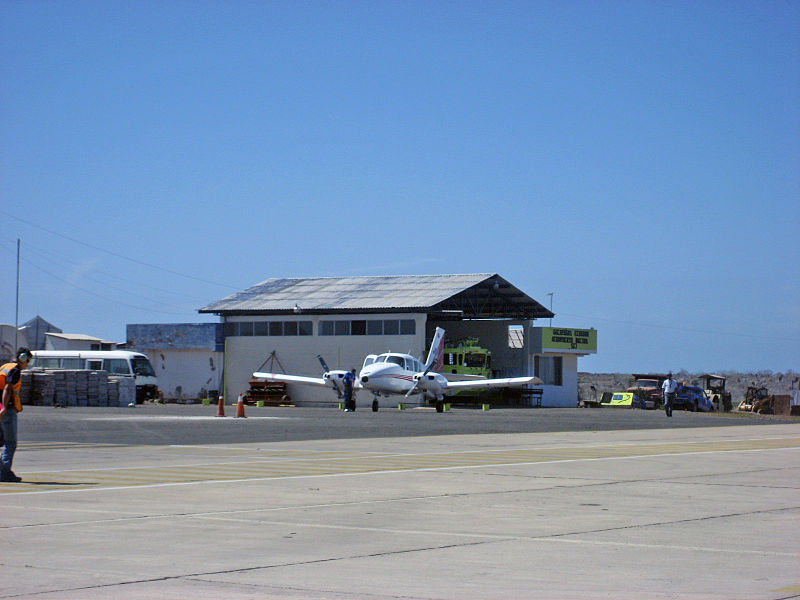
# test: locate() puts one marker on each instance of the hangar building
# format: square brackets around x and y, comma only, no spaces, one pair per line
[282,325]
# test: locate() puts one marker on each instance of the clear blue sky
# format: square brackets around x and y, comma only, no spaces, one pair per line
[640,160]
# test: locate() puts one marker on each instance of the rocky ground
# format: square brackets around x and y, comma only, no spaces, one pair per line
[737,383]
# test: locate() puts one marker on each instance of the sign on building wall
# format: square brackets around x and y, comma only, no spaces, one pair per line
[560,339]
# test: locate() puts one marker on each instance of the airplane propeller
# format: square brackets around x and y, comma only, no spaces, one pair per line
[333,381]
[417,380]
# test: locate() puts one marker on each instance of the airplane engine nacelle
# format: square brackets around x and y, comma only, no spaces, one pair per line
[336,376]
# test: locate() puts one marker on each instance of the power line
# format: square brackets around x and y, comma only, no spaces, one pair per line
[679,328]
[72,265]
[117,255]
[95,294]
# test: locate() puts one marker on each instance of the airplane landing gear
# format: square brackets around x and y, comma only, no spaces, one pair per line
[374,405]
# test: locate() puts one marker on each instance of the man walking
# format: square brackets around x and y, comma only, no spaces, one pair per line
[10,382]
[669,386]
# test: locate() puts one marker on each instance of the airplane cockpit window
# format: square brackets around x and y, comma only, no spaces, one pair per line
[369,360]
[398,360]
[381,358]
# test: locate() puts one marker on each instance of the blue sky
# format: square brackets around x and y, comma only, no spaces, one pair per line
[639,160]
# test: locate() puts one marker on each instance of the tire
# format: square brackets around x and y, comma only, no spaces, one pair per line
[375,405]
[439,406]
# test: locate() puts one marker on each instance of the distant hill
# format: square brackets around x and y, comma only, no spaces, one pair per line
[737,383]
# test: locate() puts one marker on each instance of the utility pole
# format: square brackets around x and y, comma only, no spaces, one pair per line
[16,318]
[551,307]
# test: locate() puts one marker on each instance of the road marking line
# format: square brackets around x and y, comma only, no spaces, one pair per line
[369,464]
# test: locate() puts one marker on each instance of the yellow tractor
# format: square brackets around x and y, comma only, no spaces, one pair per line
[757,400]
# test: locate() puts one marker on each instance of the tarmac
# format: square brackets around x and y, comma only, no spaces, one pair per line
[700,509]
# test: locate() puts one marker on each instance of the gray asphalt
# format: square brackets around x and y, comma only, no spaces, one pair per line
[171,502]
[184,424]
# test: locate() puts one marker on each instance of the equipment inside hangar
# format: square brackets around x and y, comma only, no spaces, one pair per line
[284,325]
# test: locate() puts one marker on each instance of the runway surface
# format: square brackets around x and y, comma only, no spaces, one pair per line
[702,507]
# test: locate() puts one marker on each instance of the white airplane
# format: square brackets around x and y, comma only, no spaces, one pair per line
[402,374]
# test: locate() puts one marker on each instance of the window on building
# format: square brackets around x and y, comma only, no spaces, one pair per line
[276,328]
[408,327]
[548,369]
[374,327]
[246,328]
[261,328]
[290,328]
[326,327]
[516,336]
[391,327]
[342,327]
[358,328]
[305,327]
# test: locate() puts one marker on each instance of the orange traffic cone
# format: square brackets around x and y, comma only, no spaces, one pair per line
[240,408]
[221,406]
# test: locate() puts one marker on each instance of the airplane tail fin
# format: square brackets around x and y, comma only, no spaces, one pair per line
[436,353]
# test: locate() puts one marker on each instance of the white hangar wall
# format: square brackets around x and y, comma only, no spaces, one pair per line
[298,353]
[187,357]
[185,374]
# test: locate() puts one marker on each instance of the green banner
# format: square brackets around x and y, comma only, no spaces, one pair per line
[558,338]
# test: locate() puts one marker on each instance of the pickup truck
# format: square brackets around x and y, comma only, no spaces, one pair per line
[652,385]
[692,398]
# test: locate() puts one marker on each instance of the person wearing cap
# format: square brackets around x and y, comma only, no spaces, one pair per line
[349,400]
[10,381]
[669,386]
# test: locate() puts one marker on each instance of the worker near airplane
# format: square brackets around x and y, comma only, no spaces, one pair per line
[348,381]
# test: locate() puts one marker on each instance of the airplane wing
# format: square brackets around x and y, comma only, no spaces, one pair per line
[291,378]
[462,377]
[330,382]
[490,383]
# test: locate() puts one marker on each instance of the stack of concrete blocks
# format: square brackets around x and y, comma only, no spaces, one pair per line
[81,385]
[26,393]
[42,388]
[113,391]
[127,390]
[60,387]
[98,388]
[66,393]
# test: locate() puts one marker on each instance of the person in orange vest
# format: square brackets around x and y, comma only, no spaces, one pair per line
[10,382]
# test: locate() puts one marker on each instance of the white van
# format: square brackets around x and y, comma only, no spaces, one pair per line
[116,362]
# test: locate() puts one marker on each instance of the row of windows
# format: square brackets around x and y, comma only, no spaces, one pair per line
[284,328]
[372,327]
[264,328]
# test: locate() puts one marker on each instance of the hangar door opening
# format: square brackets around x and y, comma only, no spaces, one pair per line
[490,348]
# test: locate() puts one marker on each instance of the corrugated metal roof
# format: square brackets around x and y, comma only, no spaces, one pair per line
[477,295]
[347,293]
